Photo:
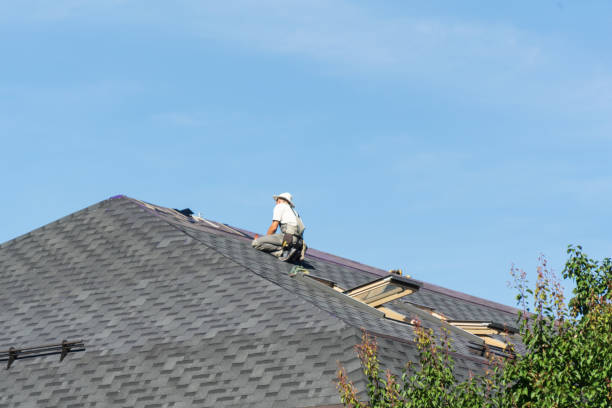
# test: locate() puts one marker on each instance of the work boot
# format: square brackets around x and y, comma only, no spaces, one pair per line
[288,255]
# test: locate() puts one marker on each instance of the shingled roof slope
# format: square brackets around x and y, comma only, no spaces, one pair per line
[178,312]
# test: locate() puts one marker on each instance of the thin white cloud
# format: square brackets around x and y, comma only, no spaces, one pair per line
[349,35]
[337,31]
[492,62]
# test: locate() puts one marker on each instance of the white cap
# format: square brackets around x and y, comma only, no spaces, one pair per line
[285,196]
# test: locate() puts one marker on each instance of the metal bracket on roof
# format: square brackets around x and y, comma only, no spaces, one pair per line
[12,356]
[62,349]
[65,350]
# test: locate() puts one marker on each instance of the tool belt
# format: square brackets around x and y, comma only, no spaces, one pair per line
[293,245]
[294,248]
[290,240]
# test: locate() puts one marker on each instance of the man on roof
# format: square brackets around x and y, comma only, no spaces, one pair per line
[287,245]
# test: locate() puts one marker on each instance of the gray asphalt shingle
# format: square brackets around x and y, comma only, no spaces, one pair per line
[180,314]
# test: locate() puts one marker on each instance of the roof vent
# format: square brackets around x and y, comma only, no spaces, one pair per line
[185,211]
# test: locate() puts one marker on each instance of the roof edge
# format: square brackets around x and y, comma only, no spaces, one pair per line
[469,298]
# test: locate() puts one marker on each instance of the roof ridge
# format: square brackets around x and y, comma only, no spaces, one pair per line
[50,223]
[328,257]
[140,204]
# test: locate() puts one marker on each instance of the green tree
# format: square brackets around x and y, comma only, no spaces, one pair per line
[431,385]
[567,360]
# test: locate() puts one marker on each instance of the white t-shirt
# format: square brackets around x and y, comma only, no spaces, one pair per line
[284,214]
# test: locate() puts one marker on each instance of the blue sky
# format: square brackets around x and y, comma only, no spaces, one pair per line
[449,139]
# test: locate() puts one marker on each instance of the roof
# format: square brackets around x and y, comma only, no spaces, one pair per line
[176,311]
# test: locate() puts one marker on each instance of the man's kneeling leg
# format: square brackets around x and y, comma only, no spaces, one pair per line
[269,243]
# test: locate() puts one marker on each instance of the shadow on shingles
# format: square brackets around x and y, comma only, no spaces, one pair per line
[306,265]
